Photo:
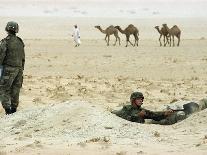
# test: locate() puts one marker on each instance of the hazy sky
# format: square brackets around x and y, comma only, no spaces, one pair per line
[105,8]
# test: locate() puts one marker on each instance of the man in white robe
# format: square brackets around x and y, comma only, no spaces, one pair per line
[76,36]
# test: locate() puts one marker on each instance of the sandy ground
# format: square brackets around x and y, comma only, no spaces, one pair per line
[68,92]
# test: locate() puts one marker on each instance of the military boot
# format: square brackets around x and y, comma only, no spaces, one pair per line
[13,110]
[8,111]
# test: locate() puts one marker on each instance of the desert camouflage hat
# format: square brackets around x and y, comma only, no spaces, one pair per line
[136,95]
[12,26]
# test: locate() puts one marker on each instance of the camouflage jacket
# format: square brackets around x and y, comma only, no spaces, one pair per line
[130,113]
[12,51]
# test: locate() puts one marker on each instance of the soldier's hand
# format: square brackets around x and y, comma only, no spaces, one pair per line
[168,112]
[142,113]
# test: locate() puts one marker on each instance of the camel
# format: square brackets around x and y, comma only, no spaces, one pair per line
[131,29]
[163,32]
[109,31]
[174,31]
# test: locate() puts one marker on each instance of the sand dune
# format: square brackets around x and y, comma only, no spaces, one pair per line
[82,124]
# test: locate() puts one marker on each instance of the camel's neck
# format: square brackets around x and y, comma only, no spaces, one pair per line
[158,30]
[167,28]
[122,31]
[103,31]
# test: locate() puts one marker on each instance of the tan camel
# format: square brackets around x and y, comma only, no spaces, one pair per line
[174,31]
[163,32]
[130,30]
[109,31]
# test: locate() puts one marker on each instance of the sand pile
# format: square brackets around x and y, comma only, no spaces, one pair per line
[76,121]
[79,122]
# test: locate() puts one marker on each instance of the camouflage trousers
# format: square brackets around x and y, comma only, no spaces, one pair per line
[10,84]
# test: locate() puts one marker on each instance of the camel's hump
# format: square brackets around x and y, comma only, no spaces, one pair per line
[130,25]
[111,26]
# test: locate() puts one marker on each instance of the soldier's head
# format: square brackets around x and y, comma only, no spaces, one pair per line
[12,27]
[137,98]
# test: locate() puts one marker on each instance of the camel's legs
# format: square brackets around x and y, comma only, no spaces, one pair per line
[165,43]
[105,38]
[129,41]
[119,39]
[116,39]
[108,41]
[178,40]
[167,40]
[136,40]
[160,39]
[173,37]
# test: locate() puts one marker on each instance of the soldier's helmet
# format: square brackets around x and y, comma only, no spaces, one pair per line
[12,26]
[136,95]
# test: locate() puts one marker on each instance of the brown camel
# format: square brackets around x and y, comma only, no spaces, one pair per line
[131,29]
[163,32]
[174,31]
[109,31]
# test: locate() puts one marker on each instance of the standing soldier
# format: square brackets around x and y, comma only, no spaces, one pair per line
[12,59]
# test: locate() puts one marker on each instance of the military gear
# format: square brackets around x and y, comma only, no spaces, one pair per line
[12,52]
[136,95]
[130,113]
[12,26]
[172,119]
[8,111]
[13,109]
[190,107]
[10,85]
[12,58]
[203,104]
[179,114]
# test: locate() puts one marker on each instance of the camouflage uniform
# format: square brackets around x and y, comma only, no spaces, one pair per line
[202,104]
[172,119]
[130,113]
[189,108]
[12,58]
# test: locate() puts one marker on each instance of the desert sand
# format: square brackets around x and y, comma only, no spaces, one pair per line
[68,92]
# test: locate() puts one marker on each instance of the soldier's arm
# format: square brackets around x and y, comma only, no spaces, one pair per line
[157,116]
[135,117]
[2,51]
[23,61]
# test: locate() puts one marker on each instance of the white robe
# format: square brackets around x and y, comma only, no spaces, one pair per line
[76,36]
